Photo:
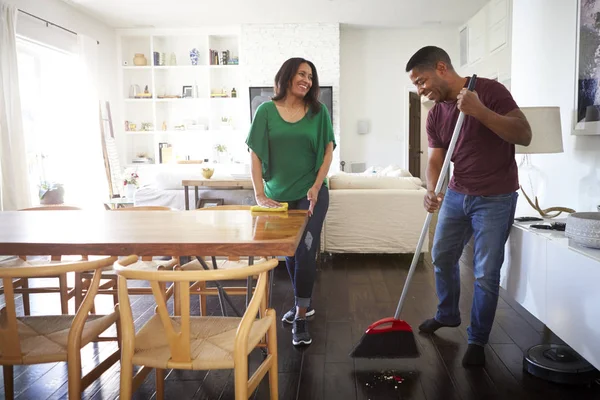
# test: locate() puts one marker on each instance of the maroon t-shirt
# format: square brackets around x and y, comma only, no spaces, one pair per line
[484,163]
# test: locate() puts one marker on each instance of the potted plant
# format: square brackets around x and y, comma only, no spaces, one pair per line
[51,193]
[130,182]
[222,155]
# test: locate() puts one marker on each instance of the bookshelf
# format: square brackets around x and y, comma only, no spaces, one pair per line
[191,99]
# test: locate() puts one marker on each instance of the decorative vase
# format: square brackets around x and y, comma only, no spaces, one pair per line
[194,53]
[53,196]
[130,191]
[139,60]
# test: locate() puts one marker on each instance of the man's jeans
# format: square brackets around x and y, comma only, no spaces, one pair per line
[488,219]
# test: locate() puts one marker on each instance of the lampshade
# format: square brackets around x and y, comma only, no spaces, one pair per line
[546,131]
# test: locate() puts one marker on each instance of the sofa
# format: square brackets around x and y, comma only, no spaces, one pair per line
[161,185]
[377,211]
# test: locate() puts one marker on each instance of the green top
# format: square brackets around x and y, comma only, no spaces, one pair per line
[291,153]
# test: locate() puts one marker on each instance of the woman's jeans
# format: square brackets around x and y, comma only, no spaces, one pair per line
[488,219]
[302,267]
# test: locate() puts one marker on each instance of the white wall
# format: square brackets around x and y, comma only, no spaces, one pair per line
[64,15]
[264,48]
[543,74]
[375,87]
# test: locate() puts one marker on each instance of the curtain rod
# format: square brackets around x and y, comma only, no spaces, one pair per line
[51,23]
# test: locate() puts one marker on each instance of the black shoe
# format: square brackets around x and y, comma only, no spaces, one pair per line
[291,314]
[300,333]
[474,356]
[431,325]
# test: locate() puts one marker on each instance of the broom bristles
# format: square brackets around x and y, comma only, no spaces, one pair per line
[396,344]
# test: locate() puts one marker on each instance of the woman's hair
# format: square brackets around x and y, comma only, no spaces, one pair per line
[284,77]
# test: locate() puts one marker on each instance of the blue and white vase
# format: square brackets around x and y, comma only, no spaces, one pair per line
[194,53]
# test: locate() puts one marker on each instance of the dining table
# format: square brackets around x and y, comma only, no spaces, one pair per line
[151,233]
[177,233]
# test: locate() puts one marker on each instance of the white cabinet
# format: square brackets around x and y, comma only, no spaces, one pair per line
[556,281]
[190,93]
[485,34]
[498,23]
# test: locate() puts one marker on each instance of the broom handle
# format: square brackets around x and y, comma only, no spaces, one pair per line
[438,188]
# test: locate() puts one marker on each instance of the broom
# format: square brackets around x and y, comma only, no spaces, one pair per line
[392,337]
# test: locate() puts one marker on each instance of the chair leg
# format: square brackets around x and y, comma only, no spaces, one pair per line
[74,374]
[9,393]
[202,297]
[272,348]
[78,290]
[126,388]
[115,295]
[64,294]
[241,376]
[25,296]
[160,383]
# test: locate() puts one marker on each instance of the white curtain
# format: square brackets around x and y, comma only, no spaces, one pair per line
[86,182]
[14,182]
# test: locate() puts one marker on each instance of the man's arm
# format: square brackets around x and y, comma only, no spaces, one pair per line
[512,127]
[434,167]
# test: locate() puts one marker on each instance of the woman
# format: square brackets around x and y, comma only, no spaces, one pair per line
[291,142]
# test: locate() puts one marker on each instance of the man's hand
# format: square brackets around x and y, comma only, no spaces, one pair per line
[264,201]
[469,103]
[431,202]
[312,196]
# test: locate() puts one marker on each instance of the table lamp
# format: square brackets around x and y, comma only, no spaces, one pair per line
[546,139]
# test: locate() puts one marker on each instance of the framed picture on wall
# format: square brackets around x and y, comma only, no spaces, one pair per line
[261,94]
[586,118]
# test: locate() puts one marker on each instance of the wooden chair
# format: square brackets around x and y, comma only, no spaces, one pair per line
[200,289]
[44,339]
[21,285]
[109,286]
[196,342]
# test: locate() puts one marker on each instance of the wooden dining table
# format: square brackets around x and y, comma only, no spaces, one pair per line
[151,233]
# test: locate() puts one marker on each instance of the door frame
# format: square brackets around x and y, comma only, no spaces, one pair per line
[406,94]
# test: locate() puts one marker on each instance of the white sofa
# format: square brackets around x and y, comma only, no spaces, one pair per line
[161,186]
[374,212]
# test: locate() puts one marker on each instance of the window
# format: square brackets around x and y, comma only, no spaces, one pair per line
[49,81]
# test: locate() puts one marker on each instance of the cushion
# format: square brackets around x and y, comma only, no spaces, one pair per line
[359,181]
[391,170]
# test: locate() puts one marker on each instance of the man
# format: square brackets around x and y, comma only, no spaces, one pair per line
[481,196]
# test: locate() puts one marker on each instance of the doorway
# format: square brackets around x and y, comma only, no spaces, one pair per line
[414,134]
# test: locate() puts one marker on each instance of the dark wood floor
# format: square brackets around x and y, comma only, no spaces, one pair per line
[351,292]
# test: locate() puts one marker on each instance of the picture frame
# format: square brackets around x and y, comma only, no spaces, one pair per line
[187,92]
[586,109]
[207,203]
[261,94]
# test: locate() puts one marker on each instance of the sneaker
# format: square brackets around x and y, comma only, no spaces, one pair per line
[300,333]
[290,316]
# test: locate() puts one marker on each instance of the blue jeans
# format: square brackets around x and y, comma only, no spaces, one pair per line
[302,267]
[488,219]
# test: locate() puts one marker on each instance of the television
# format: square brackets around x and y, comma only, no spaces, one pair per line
[261,94]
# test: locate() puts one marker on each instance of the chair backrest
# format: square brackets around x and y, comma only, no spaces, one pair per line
[179,337]
[10,347]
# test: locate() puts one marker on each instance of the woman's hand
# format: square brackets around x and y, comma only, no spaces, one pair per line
[312,196]
[264,201]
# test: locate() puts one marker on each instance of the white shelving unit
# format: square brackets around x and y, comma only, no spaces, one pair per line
[192,125]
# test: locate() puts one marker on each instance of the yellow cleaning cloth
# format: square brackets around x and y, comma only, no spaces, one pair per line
[284,207]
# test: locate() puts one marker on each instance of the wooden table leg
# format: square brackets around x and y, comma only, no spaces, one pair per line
[187,197]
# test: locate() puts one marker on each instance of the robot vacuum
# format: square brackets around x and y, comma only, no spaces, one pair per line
[560,364]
